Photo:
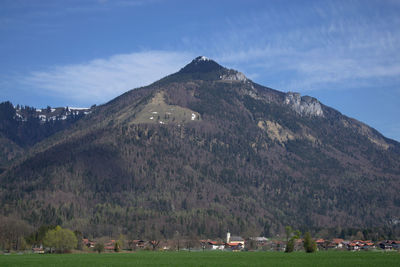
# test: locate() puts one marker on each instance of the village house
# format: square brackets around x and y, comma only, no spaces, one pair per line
[298,244]
[260,240]
[360,244]
[368,245]
[38,250]
[396,245]
[136,244]
[385,245]
[110,245]
[88,243]
[337,243]
[389,245]
[321,243]
[234,242]
[216,245]
[275,245]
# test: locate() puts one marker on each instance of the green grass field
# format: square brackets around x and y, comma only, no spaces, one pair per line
[333,258]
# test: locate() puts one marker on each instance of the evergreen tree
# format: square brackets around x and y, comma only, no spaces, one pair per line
[309,244]
[291,237]
[290,246]
[117,246]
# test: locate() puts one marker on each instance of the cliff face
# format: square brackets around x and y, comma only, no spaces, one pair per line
[199,153]
[306,105]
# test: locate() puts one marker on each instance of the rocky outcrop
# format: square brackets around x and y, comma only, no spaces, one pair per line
[276,132]
[234,76]
[305,106]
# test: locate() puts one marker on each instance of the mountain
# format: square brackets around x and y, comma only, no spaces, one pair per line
[205,150]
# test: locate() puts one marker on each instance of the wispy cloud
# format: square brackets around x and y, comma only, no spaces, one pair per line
[305,47]
[100,80]
[315,47]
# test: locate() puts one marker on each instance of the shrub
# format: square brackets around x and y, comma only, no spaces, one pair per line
[99,247]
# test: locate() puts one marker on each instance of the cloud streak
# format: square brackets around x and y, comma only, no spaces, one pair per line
[100,80]
[341,46]
[298,47]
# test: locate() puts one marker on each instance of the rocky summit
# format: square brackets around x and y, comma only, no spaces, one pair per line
[201,151]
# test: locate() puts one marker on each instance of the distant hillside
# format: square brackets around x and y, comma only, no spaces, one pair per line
[22,127]
[202,151]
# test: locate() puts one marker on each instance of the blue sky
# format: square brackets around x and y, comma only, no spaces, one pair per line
[79,53]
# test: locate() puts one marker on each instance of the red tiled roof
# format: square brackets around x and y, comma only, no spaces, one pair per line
[233,243]
[337,240]
[216,243]
[110,243]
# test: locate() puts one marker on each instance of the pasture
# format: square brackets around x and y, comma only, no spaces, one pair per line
[208,258]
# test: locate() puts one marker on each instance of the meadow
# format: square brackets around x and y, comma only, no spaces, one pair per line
[208,258]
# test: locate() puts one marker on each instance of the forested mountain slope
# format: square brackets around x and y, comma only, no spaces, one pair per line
[202,151]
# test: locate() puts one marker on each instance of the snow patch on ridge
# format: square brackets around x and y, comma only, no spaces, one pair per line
[203,58]
[73,108]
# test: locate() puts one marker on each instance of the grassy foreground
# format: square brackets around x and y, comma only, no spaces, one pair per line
[209,258]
